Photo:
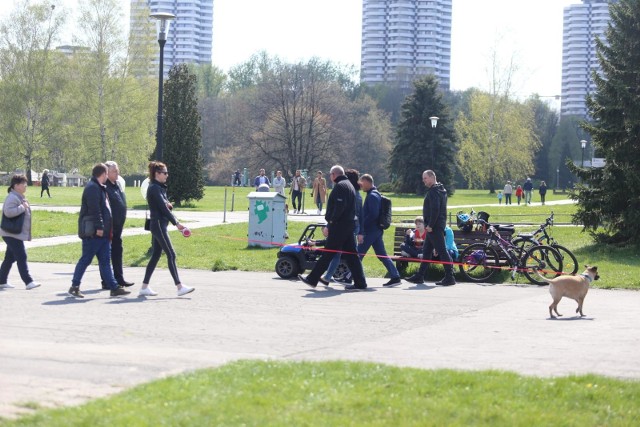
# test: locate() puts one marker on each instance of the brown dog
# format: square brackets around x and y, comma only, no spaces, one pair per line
[574,287]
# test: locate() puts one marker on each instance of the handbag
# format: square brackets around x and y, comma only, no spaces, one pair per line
[87,227]
[12,225]
[147,224]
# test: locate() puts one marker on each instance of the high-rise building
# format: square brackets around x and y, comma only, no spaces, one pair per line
[583,23]
[405,39]
[191,33]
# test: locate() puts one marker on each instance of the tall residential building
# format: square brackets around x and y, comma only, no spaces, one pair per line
[190,34]
[582,24]
[405,39]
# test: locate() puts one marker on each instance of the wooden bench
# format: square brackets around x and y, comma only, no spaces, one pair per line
[462,239]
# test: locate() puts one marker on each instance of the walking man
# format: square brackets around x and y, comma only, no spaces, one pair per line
[371,233]
[341,221]
[434,211]
[508,190]
[528,191]
[118,203]
[261,180]
[94,230]
[297,186]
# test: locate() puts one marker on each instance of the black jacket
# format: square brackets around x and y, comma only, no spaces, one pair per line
[341,206]
[118,203]
[157,200]
[434,207]
[95,206]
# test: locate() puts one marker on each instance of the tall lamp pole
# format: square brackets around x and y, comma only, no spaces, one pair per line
[583,144]
[162,20]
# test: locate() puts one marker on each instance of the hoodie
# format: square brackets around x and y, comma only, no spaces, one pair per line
[434,207]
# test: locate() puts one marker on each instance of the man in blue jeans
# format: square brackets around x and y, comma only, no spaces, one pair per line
[95,210]
[371,232]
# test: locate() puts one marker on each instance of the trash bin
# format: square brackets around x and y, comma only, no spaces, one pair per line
[267,219]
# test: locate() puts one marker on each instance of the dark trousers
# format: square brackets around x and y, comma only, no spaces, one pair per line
[43,190]
[99,247]
[161,242]
[507,198]
[340,239]
[296,194]
[116,254]
[435,240]
[17,253]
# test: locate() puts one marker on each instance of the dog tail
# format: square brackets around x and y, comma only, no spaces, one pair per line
[541,276]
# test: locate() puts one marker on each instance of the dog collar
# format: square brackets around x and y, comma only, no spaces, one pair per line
[587,277]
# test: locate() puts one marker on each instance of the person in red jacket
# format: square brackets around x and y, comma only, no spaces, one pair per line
[519,193]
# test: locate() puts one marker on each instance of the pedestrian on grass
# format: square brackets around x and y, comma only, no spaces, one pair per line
[44,183]
[543,191]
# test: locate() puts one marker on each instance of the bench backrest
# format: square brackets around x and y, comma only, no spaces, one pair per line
[462,238]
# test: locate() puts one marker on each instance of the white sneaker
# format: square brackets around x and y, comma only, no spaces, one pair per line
[185,290]
[147,292]
[319,212]
[7,286]
[32,285]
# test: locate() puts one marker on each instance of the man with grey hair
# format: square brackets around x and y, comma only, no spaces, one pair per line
[341,221]
[434,212]
[118,203]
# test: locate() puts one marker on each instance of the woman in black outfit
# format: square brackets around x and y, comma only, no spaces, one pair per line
[161,216]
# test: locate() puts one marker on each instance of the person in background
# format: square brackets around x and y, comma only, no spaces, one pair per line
[95,209]
[16,204]
[519,193]
[543,191]
[508,190]
[279,183]
[45,181]
[500,197]
[160,215]
[319,192]
[261,179]
[236,178]
[528,191]
[297,187]
[118,203]
[414,240]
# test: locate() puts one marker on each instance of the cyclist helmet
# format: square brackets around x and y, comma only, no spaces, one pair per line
[465,222]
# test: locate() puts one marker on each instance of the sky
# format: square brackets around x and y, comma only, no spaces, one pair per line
[527,31]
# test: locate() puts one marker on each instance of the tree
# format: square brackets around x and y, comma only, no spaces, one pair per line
[545,128]
[30,82]
[608,199]
[418,146]
[182,138]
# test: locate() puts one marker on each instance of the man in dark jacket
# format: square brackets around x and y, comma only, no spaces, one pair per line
[96,211]
[341,221]
[434,211]
[118,203]
[371,233]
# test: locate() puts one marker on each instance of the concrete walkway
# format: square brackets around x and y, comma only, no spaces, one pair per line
[55,350]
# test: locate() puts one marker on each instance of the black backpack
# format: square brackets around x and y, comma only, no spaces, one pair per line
[384,218]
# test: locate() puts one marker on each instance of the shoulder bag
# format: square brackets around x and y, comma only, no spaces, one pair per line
[12,225]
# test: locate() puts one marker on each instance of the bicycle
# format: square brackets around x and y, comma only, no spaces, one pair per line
[525,240]
[480,261]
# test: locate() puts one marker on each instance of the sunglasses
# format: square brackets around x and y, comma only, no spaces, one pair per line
[164,172]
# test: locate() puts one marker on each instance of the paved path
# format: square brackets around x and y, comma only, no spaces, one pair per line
[60,351]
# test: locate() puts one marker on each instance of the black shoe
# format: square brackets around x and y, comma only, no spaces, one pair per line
[306,282]
[416,278]
[74,291]
[323,281]
[446,282]
[119,291]
[393,282]
[354,288]
[105,286]
[126,284]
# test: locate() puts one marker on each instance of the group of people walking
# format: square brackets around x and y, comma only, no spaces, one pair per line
[101,221]
[296,188]
[352,228]
[522,192]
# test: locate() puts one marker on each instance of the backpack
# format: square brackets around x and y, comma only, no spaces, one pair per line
[384,218]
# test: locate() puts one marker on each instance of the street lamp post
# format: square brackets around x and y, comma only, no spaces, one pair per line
[163,21]
[434,123]
[558,179]
[583,144]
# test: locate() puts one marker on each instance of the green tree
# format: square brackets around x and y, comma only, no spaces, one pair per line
[182,137]
[545,128]
[418,146]
[609,200]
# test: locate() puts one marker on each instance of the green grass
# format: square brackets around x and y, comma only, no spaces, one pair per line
[250,393]
[50,224]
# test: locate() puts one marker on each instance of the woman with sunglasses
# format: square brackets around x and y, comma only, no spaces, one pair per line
[160,216]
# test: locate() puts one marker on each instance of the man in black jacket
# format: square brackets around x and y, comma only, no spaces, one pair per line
[434,211]
[118,203]
[341,220]
[95,210]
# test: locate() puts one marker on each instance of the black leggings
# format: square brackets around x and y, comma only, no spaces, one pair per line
[43,190]
[161,242]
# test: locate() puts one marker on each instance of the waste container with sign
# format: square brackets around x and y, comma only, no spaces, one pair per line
[267,219]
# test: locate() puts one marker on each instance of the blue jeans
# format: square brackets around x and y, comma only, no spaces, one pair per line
[15,253]
[101,248]
[335,262]
[374,239]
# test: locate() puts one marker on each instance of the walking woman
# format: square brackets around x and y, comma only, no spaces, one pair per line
[44,183]
[16,204]
[160,215]
[319,191]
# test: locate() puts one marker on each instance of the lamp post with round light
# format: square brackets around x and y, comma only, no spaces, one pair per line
[163,20]
[583,144]
[434,123]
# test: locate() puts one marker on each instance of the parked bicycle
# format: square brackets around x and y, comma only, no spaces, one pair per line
[542,237]
[480,261]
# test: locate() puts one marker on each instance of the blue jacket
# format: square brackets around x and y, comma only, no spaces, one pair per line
[96,206]
[371,212]
[527,186]
[358,213]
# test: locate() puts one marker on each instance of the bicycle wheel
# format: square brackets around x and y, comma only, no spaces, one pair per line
[478,262]
[542,261]
[523,244]
[569,261]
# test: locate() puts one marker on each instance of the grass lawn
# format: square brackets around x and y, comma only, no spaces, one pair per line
[249,393]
